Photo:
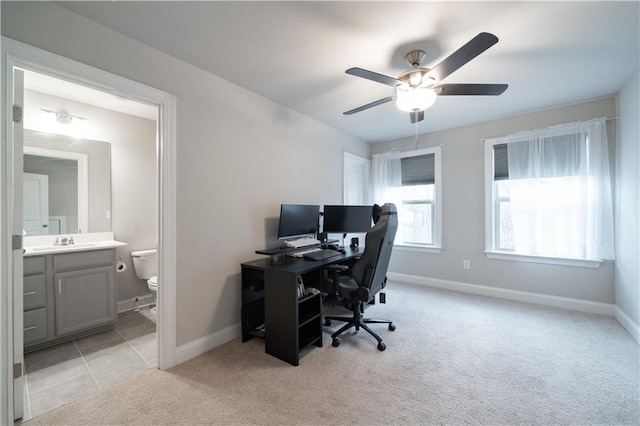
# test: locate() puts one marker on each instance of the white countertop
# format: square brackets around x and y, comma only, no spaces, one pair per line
[34,246]
[98,245]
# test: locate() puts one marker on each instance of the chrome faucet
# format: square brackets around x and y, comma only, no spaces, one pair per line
[64,242]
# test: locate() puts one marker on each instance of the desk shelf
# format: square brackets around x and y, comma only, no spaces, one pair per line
[308,335]
[309,321]
[308,309]
[252,310]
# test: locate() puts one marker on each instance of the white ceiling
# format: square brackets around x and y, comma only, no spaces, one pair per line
[295,53]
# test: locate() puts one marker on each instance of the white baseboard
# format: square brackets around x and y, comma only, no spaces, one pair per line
[628,324]
[130,304]
[198,347]
[520,296]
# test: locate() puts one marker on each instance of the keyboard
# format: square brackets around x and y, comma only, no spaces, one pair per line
[302,242]
[301,253]
[321,254]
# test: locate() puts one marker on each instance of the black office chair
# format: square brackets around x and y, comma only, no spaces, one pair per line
[367,276]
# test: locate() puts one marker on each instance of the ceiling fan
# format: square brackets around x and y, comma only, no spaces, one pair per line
[417,88]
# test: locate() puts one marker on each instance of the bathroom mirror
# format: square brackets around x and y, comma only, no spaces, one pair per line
[66,185]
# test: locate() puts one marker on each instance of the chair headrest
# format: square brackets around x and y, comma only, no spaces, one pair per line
[388,209]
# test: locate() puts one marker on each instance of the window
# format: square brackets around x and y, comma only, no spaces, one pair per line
[549,193]
[411,180]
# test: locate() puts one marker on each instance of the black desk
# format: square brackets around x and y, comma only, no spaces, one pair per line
[271,308]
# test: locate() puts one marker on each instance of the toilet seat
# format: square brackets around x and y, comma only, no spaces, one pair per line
[153,283]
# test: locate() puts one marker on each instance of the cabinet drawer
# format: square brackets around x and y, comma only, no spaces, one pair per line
[85,259]
[33,265]
[34,292]
[35,326]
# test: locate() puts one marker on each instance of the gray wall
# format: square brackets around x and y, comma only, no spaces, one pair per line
[128,150]
[627,271]
[239,157]
[463,232]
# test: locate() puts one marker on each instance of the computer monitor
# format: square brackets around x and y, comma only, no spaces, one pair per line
[347,219]
[298,220]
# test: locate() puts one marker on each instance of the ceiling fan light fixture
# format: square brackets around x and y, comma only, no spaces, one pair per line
[413,99]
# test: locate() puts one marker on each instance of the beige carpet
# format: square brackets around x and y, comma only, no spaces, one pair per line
[454,359]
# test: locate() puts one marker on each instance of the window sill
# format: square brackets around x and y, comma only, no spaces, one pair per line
[416,248]
[583,263]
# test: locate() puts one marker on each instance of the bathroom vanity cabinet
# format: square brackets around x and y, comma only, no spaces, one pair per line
[67,295]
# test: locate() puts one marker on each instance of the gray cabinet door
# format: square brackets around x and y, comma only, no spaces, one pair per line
[84,298]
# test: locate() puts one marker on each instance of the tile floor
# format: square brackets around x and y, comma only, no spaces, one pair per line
[80,367]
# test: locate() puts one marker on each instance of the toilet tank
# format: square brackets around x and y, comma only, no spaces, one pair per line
[145,263]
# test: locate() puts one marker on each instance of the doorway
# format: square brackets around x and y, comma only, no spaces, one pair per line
[108,157]
[18,57]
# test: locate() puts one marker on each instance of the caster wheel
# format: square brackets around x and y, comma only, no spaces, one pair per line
[392,327]
[335,342]
[327,322]
[381,346]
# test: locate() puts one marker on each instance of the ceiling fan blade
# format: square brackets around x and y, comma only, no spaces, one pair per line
[455,89]
[369,105]
[416,116]
[457,59]
[374,76]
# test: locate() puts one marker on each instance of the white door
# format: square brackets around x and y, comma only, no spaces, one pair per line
[356,180]
[35,193]
[356,177]
[16,257]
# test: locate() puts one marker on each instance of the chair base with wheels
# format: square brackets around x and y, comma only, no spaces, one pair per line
[358,322]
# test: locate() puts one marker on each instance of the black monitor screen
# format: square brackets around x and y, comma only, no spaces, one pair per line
[347,219]
[297,220]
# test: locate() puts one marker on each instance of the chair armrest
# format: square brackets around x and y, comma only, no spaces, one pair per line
[336,267]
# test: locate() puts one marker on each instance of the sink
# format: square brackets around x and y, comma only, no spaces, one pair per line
[58,247]
[43,248]
[82,245]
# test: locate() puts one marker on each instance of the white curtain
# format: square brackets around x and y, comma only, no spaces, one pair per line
[386,174]
[600,235]
[560,191]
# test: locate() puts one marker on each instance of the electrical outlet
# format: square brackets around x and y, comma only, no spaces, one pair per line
[466,264]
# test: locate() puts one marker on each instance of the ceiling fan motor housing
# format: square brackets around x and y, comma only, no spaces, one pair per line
[417,77]
[415,58]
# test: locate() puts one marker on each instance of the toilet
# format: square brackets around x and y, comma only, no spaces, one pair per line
[146,267]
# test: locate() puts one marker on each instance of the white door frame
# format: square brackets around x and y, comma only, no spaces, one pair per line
[23,56]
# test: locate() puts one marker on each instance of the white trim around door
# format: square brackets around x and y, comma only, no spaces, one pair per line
[23,56]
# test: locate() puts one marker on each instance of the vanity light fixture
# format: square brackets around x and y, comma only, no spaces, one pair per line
[63,117]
